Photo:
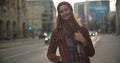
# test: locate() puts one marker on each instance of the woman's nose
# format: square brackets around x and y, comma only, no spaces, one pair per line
[64,12]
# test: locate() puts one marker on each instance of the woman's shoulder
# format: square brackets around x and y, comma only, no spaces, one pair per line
[54,32]
[84,30]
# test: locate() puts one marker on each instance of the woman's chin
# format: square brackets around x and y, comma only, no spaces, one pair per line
[66,19]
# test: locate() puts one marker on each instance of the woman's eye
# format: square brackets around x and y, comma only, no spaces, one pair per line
[64,10]
[61,11]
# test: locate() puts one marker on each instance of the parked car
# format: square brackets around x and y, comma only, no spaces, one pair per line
[93,33]
[43,35]
[47,38]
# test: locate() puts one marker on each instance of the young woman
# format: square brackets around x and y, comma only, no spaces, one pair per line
[73,41]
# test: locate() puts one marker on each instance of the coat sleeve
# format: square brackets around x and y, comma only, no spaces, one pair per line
[51,53]
[89,49]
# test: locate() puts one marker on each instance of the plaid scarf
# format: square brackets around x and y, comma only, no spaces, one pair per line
[75,49]
[74,57]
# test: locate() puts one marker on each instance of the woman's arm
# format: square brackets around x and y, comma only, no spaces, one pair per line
[89,48]
[51,53]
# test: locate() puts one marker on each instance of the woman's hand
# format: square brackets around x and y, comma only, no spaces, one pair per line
[79,37]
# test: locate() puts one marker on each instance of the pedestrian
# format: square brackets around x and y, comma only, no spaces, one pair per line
[73,41]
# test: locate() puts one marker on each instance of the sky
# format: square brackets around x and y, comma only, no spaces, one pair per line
[112,3]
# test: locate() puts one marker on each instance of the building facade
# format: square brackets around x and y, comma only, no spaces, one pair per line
[117,16]
[35,10]
[79,10]
[112,22]
[47,13]
[48,16]
[12,19]
[94,13]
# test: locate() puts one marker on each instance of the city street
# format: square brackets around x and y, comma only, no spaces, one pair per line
[26,27]
[107,50]
[106,47]
[26,52]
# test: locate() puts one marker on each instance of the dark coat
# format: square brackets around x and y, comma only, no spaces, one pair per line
[51,54]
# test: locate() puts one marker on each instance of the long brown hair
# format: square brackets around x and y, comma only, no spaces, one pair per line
[61,24]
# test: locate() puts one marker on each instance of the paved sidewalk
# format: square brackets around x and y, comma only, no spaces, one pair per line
[18,42]
[107,49]
[95,39]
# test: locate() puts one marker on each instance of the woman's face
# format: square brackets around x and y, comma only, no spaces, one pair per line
[65,12]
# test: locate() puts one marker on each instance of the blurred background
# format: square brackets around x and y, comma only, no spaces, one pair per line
[21,19]
[29,23]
